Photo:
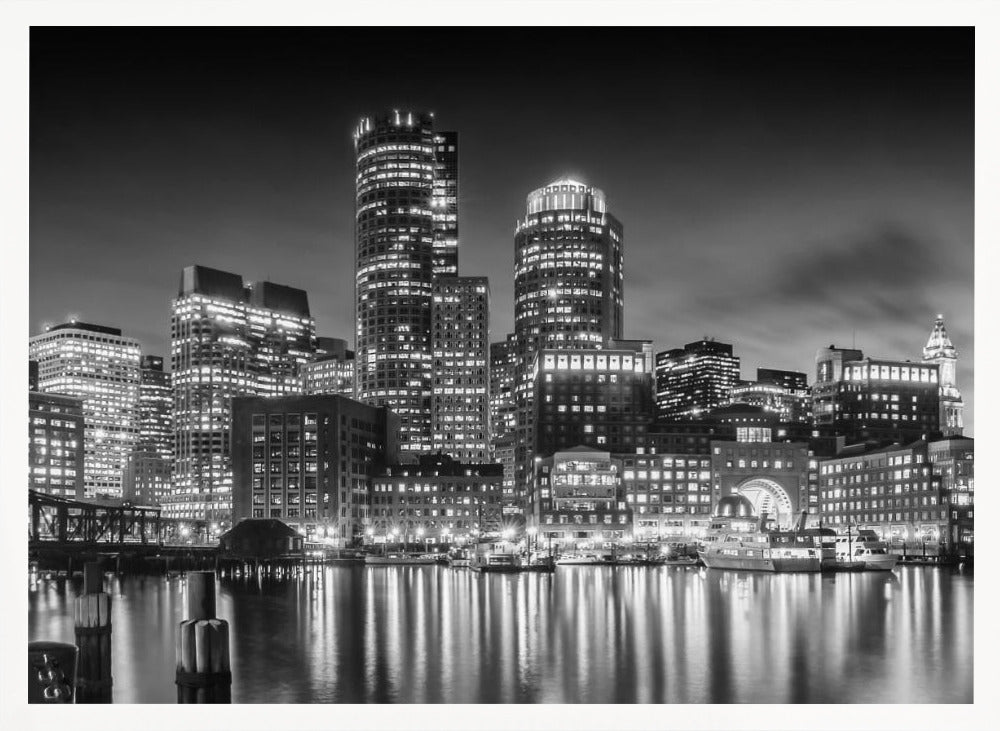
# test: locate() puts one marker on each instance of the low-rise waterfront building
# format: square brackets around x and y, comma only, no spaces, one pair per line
[578,501]
[917,492]
[669,494]
[436,500]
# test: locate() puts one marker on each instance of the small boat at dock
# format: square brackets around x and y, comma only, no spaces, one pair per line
[401,559]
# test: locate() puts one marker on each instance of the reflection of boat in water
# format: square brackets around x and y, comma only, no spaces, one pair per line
[400,559]
[864,550]
[737,540]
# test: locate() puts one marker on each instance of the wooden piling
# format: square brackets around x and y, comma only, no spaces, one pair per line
[202,646]
[92,616]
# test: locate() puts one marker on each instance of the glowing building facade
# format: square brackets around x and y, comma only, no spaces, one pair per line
[460,402]
[875,400]
[227,339]
[55,444]
[503,412]
[942,353]
[598,398]
[579,500]
[900,492]
[99,366]
[783,393]
[147,476]
[568,289]
[437,500]
[694,379]
[331,371]
[399,245]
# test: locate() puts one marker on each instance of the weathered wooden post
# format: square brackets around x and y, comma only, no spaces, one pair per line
[203,673]
[92,621]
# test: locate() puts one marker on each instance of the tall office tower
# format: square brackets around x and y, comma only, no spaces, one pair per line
[694,379]
[227,339]
[396,236]
[939,350]
[460,340]
[568,289]
[331,371]
[156,404]
[875,400]
[283,335]
[147,475]
[503,416]
[445,203]
[100,366]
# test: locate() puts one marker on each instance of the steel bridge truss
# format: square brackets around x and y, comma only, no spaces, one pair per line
[55,519]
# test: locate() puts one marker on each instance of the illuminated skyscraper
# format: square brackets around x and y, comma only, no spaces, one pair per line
[568,287]
[283,335]
[99,366]
[503,413]
[939,350]
[460,404]
[147,475]
[405,231]
[227,339]
[156,402]
[694,379]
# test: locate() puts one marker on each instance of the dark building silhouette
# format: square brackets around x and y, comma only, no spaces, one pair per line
[309,461]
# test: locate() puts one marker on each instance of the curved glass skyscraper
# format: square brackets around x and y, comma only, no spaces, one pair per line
[568,285]
[394,238]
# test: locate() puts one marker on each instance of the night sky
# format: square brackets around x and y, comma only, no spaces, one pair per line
[781,190]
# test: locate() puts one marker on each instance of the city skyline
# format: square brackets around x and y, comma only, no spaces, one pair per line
[541,365]
[741,202]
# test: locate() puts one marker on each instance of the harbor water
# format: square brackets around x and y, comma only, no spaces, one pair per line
[585,634]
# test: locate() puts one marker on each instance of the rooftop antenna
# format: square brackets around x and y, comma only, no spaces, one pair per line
[854,339]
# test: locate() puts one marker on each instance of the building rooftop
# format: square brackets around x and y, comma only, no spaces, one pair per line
[89,327]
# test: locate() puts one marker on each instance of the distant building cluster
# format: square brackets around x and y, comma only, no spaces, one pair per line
[427,429]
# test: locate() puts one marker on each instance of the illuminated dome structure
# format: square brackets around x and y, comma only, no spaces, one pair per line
[734,506]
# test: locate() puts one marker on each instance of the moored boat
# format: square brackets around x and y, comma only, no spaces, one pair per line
[864,549]
[400,559]
[581,559]
[736,539]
